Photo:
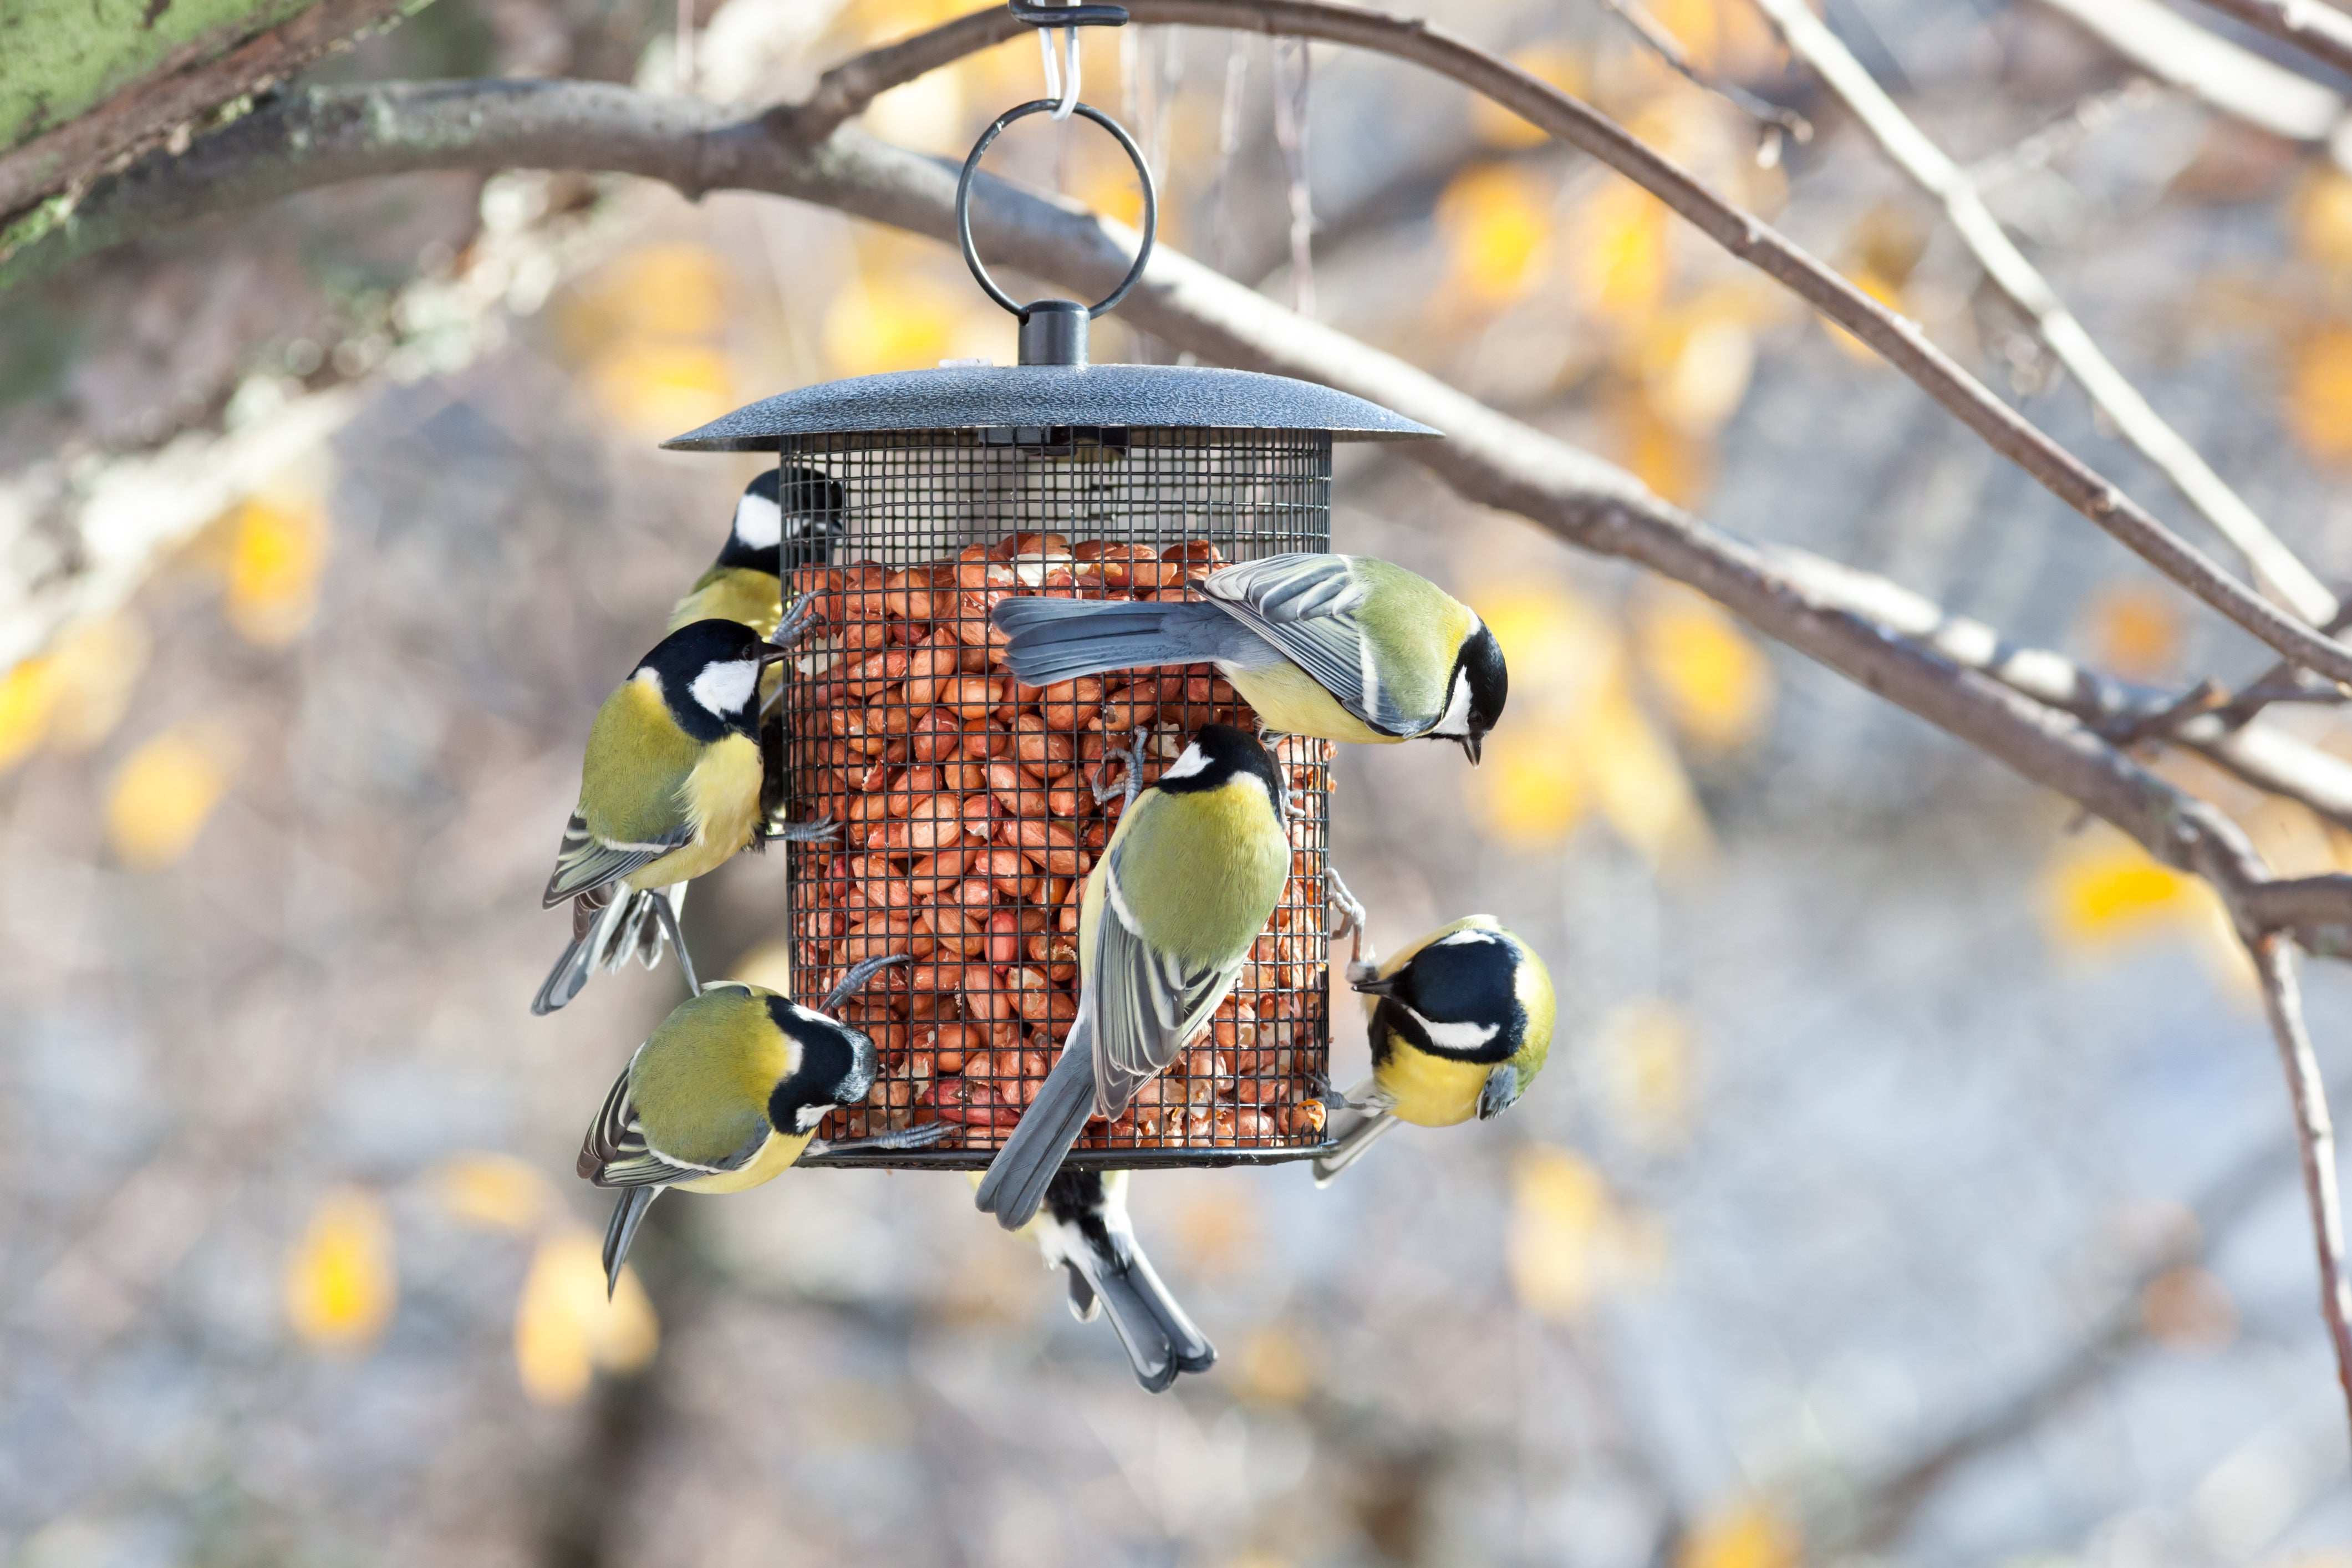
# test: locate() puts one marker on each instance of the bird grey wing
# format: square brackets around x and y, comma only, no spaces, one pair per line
[586,862]
[1303,605]
[1500,1093]
[615,1154]
[1147,1005]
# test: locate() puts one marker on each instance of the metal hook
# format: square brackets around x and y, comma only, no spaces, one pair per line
[1067,17]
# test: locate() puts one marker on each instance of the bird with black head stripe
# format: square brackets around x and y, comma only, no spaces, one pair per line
[778,524]
[727,1094]
[1461,1023]
[1183,887]
[1343,648]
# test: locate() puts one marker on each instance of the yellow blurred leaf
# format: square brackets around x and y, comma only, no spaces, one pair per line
[674,290]
[27,695]
[898,321]
[93,670]
[926,114]
[1559,1210]
[2319,390]
[1676,464]
[1695,363]
[496,1190]
[2134,629]
[1532,795]
[2101,887]
[162,796]
[564,1329]
[1645,1051]
[1747,1533]
[1715,681]
[2323,220]
[1276,1366]
[661,386]
[1496,219]
[278,548]
[339,1285]
[1638,782]
[1727,38]
[1621,261]
[1216,1228]
[1562,67]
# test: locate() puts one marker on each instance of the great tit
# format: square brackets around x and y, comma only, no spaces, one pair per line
[725,1095]
[669,789]
[1344,647]
[1183,887]
[1461,1023]
[779,523]
[767,538]
[1083,1230]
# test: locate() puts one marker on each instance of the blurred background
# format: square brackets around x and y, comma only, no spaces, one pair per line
[1912,1182]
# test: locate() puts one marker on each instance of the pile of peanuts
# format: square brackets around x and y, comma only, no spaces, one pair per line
[969,819]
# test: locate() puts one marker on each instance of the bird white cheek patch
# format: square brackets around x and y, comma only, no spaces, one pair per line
[1193,761]
[724,688]
[1459,1038]
[1456,721]
[758,522]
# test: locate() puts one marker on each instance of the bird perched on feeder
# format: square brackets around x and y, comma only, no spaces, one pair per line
[781,522]
[1183,887]
[1461,1023]
[1344,647]
[776,527]
[1083,1230]
[726,1095]
[671,787]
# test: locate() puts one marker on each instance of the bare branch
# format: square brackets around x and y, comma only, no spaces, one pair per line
[1662,43]
[2285,578]
[148,111]
[2239,82]
[2314,1139]
[320,135]
[2319,30]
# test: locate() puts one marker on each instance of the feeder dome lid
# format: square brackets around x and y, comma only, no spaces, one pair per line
[976,397]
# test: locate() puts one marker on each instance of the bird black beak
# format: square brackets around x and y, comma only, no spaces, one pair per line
[1375,986]
[1470,745]
[770,653]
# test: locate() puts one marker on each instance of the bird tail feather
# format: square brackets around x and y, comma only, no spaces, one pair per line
[1161,1339]
[564,981]
[1359,1132]
[1017,1178]
[1051,640]
[627,1215]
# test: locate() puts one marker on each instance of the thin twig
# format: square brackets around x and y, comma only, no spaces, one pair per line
[2274,566]
[2239,82]
[321,135]
[1662,43]
[1894,337]
[1294,83]
[844,90]
[2314,1139]
[2063,135]
[2321,31]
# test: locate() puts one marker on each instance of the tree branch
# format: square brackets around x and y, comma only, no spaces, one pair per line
[2238,83]
[2276,567]
[1896,338]
[2319,30]
[2314,1138]
[152,109]
[320,135]
[1743,234]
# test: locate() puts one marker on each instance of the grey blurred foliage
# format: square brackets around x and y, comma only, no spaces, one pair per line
[1888,1273]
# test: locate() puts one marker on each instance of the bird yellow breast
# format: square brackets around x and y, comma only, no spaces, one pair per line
[1431,1091]
[775,1156]
[1288,699]
[722,797]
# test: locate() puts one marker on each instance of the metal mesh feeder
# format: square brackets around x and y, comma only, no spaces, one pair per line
[969,804]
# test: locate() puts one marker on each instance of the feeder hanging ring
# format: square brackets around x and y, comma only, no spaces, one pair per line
[1053,331]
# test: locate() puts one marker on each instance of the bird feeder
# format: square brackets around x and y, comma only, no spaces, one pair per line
[968,804]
